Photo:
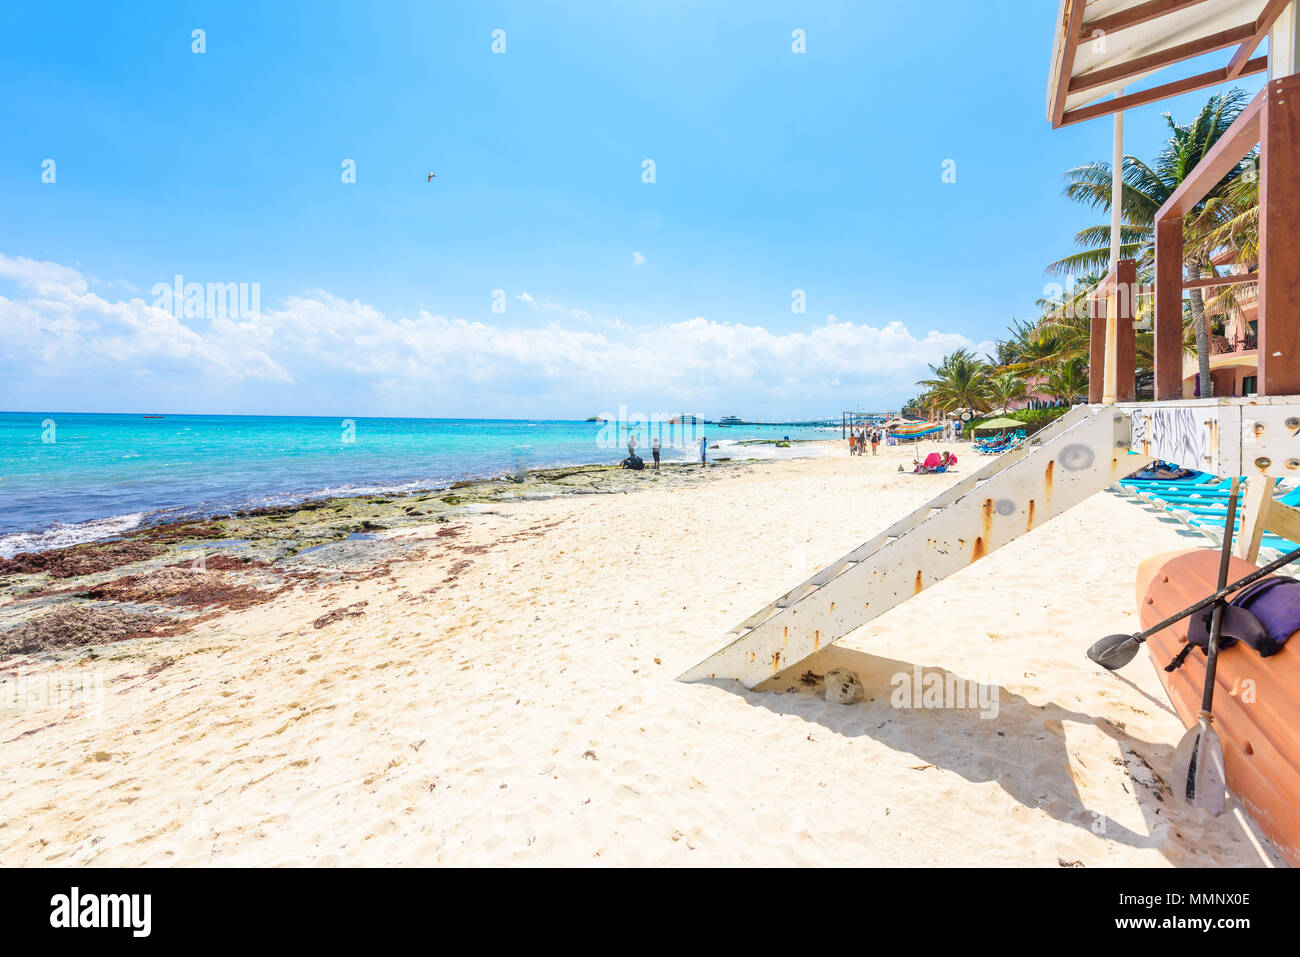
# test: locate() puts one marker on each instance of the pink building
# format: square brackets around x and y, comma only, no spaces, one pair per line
[1234,355]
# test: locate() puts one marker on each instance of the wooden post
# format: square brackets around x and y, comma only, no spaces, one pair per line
[1125,293]
[1169,309]
[1254,516]
[1113,374]
[1279,243]
[1097,346]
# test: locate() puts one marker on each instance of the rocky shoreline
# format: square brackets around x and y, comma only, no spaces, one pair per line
[166,578]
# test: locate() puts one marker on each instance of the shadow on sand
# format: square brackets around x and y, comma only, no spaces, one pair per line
[1022,747]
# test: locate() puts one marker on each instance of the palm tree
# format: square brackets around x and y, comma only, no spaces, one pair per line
[1007,352]
[1064,329]
[1145,190]
[1065,332]
[1229,224]
[1005,387]
[914,407]
[1068,381]
[959,381]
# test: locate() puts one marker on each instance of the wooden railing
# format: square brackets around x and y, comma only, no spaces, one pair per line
[1222,345]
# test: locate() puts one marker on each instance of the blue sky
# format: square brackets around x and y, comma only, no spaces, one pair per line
[774,171]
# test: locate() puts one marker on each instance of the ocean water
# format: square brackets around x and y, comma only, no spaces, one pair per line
[69,478]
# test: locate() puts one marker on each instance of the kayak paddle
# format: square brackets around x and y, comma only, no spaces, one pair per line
[1197,772]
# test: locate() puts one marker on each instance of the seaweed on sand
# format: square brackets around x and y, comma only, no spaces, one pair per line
[79,559]
[76,626]
[183,585]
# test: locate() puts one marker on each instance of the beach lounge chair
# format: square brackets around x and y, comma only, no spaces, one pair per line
[1207,495]
[999,449]
[1216,530]
[1200,480]
[1163,472]
[1217,507]
[1146,478]
[1210,515]
[1195,481]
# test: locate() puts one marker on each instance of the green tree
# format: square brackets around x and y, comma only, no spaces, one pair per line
[960,381]
[913,408]
[1228,225]
[1068,381]
[1145,190]
[1005,387]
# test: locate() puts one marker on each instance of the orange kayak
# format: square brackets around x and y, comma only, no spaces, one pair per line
[1256,700]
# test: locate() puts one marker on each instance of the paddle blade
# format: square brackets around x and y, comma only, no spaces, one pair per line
[1197,774]
[1114,651]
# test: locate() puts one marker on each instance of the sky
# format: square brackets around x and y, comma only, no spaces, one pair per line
[543,272]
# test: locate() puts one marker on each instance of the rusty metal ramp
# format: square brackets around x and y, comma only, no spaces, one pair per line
[1075,457]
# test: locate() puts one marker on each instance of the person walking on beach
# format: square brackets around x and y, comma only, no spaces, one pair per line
[704,450]
[875,440]
[654,450]
[631,444]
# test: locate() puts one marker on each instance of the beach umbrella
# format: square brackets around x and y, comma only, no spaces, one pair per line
[1000,424]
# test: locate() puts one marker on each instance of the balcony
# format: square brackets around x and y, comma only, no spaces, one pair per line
[1222,345]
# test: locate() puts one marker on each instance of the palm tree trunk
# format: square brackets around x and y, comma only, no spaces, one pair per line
[1201,324]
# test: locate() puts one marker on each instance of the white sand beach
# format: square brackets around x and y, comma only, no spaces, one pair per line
[507,696]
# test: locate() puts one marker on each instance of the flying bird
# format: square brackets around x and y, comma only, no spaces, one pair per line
[430,179]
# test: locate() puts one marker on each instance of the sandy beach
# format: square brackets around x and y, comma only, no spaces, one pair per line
[494,684]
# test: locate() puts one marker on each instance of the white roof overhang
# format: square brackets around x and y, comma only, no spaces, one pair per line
[1103,46]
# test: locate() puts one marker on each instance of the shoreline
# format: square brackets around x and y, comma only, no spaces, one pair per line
[330,528]
[198,515]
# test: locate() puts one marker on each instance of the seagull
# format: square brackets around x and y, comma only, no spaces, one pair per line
[430,179]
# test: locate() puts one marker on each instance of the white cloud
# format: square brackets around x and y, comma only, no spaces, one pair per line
[66,330]
[43,278]
[543,306]
[318,344]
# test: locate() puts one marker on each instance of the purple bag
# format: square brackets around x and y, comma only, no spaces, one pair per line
[1264,616]
[1275,603]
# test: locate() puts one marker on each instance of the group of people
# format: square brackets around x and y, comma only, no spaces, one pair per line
[860,438]
[634,461]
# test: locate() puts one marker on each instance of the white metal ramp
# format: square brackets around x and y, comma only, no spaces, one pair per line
[1075,457]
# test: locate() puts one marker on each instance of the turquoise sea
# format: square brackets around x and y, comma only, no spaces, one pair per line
[68,478]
